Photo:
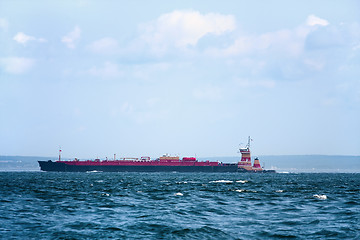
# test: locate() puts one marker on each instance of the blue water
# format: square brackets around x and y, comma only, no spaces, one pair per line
[41,205]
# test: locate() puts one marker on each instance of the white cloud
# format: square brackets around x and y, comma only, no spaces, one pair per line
[184,28]
[22,38]
[4,24]
[16,65]
[104,46]
[72,37]
[313,20]
[286,42]
[109,70]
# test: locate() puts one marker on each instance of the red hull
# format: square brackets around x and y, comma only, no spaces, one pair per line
[144,161]
[137,163]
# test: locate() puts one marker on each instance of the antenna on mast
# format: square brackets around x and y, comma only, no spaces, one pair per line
[248,145]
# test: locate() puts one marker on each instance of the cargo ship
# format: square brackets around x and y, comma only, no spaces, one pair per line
[165,163]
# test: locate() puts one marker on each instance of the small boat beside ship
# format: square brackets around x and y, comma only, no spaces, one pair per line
[165,163]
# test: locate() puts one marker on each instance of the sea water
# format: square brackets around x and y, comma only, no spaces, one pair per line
[96,205]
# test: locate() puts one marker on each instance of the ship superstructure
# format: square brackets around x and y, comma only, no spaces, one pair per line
[245,162]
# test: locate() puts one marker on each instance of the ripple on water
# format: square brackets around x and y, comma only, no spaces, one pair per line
[178,206]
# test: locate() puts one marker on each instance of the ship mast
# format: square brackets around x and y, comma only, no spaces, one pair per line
[59,153]
[248,145]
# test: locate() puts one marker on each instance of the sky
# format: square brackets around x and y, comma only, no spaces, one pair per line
[144,78]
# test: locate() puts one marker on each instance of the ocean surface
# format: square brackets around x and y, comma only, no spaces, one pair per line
[96,205]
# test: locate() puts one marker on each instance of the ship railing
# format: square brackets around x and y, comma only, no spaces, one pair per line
[145,159]
[128,159]
[244,150]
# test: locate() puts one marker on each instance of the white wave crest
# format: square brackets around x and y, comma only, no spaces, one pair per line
[178,194]
[222,181]
[244,190]
[239,190]
[182,182]
[320,196]
[242,181]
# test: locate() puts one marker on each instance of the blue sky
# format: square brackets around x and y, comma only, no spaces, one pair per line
[181,77]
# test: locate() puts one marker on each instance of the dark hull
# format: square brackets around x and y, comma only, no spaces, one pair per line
[50,166]
[255,171]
